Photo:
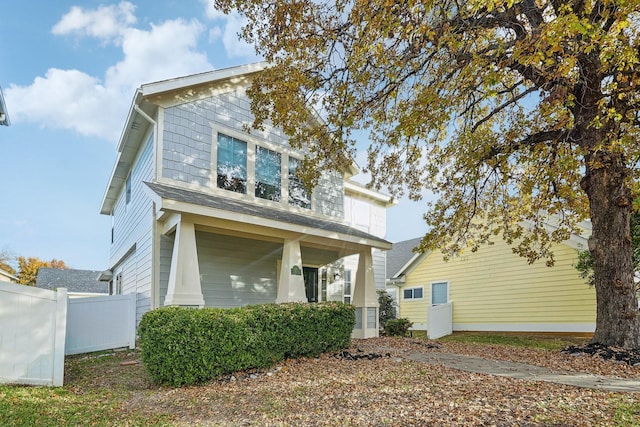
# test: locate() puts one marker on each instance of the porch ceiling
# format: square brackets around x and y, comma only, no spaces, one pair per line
[188,201]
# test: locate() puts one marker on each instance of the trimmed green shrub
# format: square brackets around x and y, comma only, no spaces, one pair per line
[398,327]
[188,346]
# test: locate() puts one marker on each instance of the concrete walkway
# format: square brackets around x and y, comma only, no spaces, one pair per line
[525,372]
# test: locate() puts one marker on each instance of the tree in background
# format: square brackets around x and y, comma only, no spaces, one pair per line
[6,259]
[28,269]
[514,113]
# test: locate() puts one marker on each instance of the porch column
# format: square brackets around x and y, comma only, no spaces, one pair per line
[184,275]
[365,298]
[291,280]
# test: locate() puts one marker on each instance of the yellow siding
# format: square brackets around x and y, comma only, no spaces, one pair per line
[495,286]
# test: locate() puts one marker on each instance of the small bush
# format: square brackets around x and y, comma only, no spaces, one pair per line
[188,346]
[387,310]
[398,327]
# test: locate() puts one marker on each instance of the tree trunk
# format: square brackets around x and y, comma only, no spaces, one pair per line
[617,321]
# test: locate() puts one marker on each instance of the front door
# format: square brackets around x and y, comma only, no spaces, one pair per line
[311,283]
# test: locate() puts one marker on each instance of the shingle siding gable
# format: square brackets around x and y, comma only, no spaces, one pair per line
[189,135]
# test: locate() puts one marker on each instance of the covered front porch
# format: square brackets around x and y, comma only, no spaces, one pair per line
[223,253]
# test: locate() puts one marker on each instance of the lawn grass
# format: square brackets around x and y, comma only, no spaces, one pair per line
[515,340]
[86,399]
[101,391]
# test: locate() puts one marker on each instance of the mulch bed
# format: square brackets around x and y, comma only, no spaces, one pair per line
[631,357]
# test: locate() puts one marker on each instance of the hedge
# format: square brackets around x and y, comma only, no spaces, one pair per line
[182,346]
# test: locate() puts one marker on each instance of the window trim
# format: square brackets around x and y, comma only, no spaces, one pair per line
[252,144]
[413,289]
[347,298]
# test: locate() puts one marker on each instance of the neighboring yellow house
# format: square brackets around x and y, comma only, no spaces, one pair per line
[494,289]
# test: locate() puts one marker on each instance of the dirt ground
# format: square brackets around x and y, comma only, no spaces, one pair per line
[382,387]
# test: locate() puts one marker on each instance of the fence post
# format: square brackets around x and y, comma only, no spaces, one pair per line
[60,336]
[133,321]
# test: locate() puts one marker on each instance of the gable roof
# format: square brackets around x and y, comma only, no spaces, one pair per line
[139,119]
[400,255]
[238,207]
[85,281]
[4,115]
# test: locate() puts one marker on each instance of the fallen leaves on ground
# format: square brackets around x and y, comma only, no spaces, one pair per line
[352,389]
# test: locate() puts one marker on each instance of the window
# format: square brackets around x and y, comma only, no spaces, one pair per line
[298,194]
[267,174]
[412,293]
[232,164]
[323,285]
[128,189]
[119,284]
[347,286]
[439,293]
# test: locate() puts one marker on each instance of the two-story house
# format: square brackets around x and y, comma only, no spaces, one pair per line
[206,214]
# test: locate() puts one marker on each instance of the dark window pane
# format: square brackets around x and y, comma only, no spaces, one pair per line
[267,174]
[298,195]
[232,164]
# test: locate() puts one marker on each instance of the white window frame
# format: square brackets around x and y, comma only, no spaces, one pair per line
[412,298]
[347,298]
[440,282]
[252,147]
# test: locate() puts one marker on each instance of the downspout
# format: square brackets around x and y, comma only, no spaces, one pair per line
[155,246]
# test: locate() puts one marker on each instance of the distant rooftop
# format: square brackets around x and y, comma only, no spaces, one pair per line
[85,281]
[399,255]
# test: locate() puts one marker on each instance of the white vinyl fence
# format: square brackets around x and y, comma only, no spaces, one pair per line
[440,318]
[32,335]
[101,323]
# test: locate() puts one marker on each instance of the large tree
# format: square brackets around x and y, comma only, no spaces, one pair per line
[516,114]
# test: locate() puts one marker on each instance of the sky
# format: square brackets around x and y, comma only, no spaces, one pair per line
[68,71]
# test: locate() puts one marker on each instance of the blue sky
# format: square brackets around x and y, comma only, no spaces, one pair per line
[68,71]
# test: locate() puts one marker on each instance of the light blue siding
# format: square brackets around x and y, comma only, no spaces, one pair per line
[133,228]
[188,142]
[237,271]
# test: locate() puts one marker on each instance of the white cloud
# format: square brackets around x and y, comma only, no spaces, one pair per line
[168,50]
[95,106]
[105,22]
[228,31]
[210,10]
[235,47]
[68,99]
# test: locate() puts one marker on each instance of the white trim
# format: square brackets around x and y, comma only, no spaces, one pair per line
[202,78]
[413,299]
[308,232]
[8,275]
[361,190]
[526,327]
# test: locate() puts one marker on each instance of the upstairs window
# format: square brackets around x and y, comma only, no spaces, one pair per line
[267,174]
[232,164]
[298,194]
